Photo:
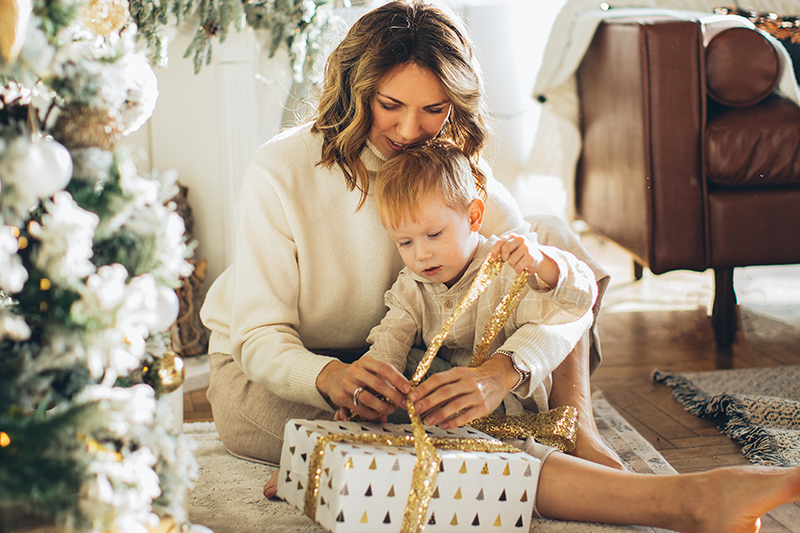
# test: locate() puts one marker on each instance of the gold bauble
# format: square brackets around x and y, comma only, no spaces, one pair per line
[105,17]
[83,126]
[14,17]
[165,374]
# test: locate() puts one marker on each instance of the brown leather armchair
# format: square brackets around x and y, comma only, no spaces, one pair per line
[678,179]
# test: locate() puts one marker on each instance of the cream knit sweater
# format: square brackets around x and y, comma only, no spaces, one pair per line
[310,272]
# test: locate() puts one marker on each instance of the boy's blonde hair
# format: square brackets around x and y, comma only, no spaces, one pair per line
[406,181]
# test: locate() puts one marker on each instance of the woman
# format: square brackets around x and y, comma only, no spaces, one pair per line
[290,318]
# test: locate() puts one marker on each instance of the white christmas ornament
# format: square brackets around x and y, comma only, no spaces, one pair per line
[35,169]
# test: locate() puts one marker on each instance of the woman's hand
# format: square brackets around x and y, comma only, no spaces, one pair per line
[519,252]
[339,382]
[460,395]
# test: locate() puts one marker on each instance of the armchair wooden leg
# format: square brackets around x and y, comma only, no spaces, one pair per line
[638,270]
[723,317]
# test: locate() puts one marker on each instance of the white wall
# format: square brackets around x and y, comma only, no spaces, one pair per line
[208,125]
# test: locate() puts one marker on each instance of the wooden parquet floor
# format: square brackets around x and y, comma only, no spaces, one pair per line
[662,322]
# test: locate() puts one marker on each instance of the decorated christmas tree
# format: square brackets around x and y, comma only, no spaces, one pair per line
[91,253]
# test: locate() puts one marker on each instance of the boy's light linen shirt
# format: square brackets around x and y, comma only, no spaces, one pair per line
[541,331]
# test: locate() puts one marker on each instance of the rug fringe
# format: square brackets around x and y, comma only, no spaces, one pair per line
[727,412]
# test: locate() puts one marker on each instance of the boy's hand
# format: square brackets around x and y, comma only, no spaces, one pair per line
[521,254]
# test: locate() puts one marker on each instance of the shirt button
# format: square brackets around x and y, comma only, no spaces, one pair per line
[448,304]
[452,344]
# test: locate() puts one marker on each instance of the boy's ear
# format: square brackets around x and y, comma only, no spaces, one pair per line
[475,211]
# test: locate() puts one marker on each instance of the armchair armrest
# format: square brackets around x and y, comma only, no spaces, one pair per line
[640,176]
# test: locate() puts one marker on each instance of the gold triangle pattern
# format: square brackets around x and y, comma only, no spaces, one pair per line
[349,463]
[391,492]
[524,496]
[292,449]
[454,521]
[373,465]
[498,522]
[435,492]
[485,469]
[507,470]
[364,519]
[458,494]
[463,469]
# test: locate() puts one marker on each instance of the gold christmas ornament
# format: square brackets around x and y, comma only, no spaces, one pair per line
[105,17]
[165,374]
[83,126]
[14,17]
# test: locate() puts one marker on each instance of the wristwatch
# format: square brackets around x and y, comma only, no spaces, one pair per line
[522,374]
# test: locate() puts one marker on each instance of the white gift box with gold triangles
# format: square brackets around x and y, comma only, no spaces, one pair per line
[364,488]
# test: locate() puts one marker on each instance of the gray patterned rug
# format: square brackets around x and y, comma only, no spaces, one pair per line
[227,496]
[757,407]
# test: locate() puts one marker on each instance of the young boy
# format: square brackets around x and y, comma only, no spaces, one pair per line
[428,202]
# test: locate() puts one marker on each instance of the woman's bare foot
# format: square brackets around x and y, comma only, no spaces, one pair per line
[732,500]
[271,486]
[590,446]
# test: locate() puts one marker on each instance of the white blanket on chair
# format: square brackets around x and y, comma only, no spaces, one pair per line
[558,141]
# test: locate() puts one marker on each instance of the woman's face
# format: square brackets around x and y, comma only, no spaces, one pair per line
[409,107]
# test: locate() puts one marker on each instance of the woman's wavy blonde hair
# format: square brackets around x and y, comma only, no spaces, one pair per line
[399,33]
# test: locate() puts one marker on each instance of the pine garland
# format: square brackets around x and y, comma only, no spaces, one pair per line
[301,26]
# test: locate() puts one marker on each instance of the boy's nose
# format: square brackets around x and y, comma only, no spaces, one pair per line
[423,252]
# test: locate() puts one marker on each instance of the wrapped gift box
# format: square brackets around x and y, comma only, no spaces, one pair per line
[365,487]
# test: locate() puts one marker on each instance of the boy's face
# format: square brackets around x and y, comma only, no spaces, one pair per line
[441,243]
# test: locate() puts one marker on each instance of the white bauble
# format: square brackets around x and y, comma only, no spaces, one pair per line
[36,170]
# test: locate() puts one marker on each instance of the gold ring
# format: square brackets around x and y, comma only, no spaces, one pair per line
[355,395]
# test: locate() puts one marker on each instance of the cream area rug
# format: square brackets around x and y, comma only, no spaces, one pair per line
[227,496]
[757,407]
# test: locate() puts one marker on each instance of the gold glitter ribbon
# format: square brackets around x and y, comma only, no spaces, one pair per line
[556,427]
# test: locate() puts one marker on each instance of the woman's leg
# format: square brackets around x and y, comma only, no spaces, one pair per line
[250,420]
[726,500]
[571,379]
[571,387]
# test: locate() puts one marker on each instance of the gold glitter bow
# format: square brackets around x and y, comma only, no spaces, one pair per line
[556,427]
